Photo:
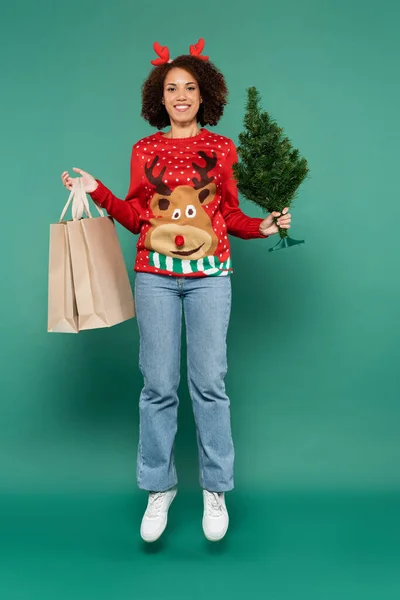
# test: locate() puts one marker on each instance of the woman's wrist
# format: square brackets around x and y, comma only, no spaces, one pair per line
[96,185]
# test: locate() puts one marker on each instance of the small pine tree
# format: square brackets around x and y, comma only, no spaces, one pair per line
[270,170]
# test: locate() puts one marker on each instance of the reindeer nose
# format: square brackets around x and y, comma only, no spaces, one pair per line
[180,241]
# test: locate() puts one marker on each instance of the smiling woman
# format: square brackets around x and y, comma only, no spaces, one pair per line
[181,97]
[200,82]
[183,203]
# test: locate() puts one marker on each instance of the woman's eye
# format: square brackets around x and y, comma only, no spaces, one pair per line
[190,211]
[176,214]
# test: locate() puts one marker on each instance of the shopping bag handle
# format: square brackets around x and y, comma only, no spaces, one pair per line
[80,203]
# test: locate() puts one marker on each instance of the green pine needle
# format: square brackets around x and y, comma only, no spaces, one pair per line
[270,169]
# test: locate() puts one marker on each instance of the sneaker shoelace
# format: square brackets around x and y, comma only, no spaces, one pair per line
[155,502]
[215,505]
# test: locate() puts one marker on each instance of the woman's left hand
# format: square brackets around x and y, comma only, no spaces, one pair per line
[269,227]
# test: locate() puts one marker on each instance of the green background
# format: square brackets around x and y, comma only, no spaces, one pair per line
[313,343]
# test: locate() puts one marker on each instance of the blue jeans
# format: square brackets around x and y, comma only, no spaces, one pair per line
[206,305]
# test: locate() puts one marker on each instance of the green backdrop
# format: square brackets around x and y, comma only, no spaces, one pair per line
[313,342]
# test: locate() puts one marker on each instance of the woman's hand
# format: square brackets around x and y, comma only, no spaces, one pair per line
[89,182]
[269,227]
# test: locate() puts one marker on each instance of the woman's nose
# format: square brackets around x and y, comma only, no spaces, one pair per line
[180,241]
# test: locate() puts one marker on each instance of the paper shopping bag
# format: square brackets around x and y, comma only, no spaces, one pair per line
[102,289]
[62,309]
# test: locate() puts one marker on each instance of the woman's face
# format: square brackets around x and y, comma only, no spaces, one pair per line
[181,96]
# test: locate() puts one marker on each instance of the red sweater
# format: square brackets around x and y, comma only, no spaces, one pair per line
[183,201]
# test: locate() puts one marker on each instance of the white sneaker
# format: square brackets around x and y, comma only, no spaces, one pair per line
[156,514]
[215,517]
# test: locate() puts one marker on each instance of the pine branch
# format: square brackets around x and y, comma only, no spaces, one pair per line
[270,170]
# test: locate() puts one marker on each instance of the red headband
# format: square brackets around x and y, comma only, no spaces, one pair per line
[163,52]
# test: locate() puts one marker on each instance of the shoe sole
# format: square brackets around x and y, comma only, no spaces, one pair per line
[159,533]
[215,539]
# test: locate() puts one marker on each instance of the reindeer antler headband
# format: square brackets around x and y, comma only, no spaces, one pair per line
[163,52]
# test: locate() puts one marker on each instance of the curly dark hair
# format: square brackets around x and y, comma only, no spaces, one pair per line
[212,86]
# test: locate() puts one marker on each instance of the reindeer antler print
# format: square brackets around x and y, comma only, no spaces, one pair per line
[161,187]
[203,171]
[181,227]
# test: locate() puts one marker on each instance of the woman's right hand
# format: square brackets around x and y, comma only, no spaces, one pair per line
[89,182]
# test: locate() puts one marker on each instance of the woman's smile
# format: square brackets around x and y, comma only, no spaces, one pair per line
[182,107]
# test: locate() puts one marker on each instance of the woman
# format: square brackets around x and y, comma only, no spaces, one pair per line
[183,203]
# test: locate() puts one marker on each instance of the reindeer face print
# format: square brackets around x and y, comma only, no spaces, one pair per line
[181,228]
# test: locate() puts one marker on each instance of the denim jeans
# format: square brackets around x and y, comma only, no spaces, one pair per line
[206,303]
